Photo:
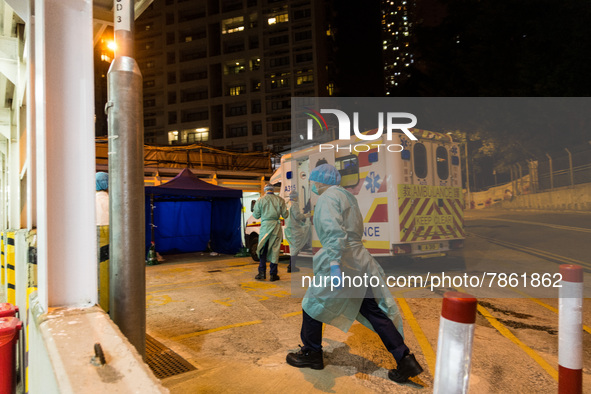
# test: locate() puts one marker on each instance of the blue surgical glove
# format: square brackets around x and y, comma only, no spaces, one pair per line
[336,275]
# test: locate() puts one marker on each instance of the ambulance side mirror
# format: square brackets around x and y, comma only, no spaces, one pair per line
[252,205]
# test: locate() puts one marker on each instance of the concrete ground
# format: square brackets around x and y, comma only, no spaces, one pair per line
[237,331]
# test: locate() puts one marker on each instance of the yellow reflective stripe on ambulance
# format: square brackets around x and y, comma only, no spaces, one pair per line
[430,213]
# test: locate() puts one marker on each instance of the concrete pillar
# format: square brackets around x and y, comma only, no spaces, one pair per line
[64,122]
[14,184]
[3,183]
[30,122]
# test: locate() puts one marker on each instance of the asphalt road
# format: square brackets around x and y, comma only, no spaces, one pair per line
[564,236]
[236,331]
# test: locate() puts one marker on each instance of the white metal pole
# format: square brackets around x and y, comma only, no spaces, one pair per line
[570,330]
[454,346]
[64,112]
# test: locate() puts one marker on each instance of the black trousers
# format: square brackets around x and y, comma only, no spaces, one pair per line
[311,333]
[263,261]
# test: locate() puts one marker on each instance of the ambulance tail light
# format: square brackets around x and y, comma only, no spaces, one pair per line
[401,249]
[456,244]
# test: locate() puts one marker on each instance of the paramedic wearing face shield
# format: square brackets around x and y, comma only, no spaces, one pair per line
[339,225]
[269,208]
[297,230]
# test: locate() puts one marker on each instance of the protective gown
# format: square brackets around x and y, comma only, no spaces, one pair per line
[270,208]
[297,230]
[339,225]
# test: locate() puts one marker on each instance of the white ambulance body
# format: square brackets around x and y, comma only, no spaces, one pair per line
[409,192]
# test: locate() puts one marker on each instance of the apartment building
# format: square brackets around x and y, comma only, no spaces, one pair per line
[397,32]
[222,72]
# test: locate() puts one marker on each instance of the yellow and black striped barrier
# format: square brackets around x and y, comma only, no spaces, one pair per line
[2,265]
[10,270]
[103,266]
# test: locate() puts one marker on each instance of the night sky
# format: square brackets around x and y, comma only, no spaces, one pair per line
[486,48]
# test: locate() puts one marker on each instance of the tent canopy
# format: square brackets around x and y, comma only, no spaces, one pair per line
[187,184]
[191,215]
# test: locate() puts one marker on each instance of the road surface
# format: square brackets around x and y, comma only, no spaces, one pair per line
[236,331]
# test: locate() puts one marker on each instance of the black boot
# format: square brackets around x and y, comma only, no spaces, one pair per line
[273,278]
[261,276]
[408,367]
[305,359]
[289,268]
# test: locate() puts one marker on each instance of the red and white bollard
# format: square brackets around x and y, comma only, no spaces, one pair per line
[454,346]
[570,330]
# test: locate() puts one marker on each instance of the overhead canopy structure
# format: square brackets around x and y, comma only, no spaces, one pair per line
[188,215]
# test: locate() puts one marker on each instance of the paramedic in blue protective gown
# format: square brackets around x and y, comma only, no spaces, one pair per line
[269,208]
[297,230]
[339,225]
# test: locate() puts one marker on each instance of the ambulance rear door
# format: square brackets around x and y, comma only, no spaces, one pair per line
[315,160]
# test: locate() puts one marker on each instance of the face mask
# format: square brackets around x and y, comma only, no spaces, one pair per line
[314,190]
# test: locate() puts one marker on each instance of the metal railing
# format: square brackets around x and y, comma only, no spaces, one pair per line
[561,169]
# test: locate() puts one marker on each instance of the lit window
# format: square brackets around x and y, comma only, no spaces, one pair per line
[278,19]
[196,135]
[236,68]
[173,137]
[330,89]
[300,80]
[233,25]
[237,90]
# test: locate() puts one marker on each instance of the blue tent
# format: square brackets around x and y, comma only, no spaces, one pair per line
[188,214]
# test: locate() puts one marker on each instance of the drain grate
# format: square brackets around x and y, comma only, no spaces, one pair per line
[163,361]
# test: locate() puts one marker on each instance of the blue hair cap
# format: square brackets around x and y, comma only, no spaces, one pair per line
[327,174]
[102,181]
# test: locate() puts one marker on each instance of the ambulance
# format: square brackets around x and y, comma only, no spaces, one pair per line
[409,192]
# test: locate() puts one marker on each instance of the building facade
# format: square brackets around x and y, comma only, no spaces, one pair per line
[397,31]
[223,72]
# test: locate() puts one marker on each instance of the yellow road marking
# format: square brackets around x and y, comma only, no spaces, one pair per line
[419,334]
[225,301]
[177,283]
[549,307]
[509,335]
[159,300]
[182,288]
[292,314]
[194,334]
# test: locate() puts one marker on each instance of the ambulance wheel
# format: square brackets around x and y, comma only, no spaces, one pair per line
[254,243]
